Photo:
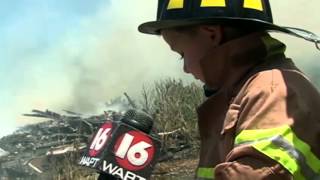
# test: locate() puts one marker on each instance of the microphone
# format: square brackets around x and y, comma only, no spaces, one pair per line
[125,149]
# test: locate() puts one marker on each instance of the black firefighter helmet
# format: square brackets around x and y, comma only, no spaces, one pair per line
[241,13]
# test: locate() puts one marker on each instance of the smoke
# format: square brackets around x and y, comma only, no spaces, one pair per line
[117,58]
[101,59]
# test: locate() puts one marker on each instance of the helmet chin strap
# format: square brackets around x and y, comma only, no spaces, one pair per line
[307,35]
[318,45]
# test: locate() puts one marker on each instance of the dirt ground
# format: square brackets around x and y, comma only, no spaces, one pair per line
[183,169]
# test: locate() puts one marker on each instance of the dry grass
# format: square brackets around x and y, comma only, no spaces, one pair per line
[173,105]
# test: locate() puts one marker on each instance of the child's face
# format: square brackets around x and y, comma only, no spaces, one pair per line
[191,46]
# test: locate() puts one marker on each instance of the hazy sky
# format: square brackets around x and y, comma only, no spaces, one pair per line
[77,54]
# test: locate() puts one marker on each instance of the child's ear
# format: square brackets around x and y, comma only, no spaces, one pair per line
[214,32]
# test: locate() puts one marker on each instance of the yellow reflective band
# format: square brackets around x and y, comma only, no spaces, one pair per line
[253,4]
[213,3]
[175,4]
[282,138]
[206,173]
[277,154]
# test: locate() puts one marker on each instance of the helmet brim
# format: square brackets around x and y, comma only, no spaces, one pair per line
[155,27]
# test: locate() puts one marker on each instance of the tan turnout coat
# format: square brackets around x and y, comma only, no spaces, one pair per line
[262,121]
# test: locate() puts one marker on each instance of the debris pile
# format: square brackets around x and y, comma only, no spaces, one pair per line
[61,134]
[31,151]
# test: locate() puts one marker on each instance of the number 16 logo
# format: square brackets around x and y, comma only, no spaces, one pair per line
[100,139]
[134,150]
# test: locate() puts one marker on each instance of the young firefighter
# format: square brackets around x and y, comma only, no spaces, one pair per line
[261,119]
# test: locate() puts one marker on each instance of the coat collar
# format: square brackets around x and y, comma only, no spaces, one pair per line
[226,66]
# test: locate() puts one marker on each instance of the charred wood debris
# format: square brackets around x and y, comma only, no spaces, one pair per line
[28,152]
